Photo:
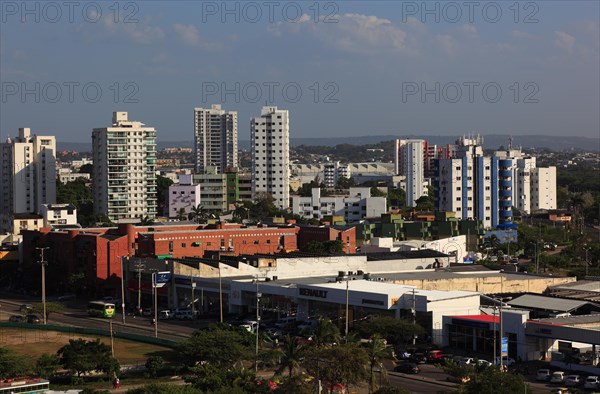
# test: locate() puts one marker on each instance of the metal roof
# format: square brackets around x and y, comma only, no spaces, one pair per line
[574,320]
[547,303]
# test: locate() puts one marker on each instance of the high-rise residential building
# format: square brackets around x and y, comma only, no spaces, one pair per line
[124,174]
[215,138]
[410,163]
[488,187]
[269,136]
[27,175]
[333,172]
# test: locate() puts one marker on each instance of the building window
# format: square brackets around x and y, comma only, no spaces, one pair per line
[183,245]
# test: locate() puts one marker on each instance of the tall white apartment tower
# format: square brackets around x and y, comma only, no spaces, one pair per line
[270,135]
[410,162]
[124,176]
[215,138]
[27,175]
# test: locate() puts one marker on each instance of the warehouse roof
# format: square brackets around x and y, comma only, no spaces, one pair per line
[547,303]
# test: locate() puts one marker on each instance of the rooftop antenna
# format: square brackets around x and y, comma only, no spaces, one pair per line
[510,139]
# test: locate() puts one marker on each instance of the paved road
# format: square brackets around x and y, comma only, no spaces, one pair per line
[170,330]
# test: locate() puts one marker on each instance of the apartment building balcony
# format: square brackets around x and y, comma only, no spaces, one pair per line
[505,173]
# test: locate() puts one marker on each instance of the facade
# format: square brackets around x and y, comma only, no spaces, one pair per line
[332,172]
[410,162]
[543,189]
[269,136]
[215,138]
[183,196]
[124,175]
[55,215]
[27,175]
[353,207]
[219,191]
[66,175]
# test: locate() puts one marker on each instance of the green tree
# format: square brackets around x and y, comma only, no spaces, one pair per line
[491,381]
[199,213]
[291,355]
[342,364]
[396,198]
[393,330]
[78,193]
[81,356]
[377,351]
[164,388]
[77,283]
[345,183]
[162,191]
[375,192]
[154,364]
[51,307]
[218,345]
[12,364]
[391,390]
[324,247]
[47,365]
[86,169]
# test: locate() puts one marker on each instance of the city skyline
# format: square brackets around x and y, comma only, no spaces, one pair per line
[343,57]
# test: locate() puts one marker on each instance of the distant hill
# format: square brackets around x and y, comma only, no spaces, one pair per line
[493,141]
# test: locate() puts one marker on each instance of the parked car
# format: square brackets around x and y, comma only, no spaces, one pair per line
[572,380]
[557,377]
[147,312]
[402,354]
[33,319]
[184,314]
[543,375]
[165,315]
[16,319]
[407,368]
[435,356]
[25,307]
[274,333]
[591,383]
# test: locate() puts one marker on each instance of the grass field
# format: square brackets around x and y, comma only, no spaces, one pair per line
[33,343]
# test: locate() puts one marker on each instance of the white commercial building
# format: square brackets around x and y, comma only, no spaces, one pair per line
[27,175]
[543,188]
[269,136]
[124,181]
[215,138]
[55,215]
[183,196]
[353,207]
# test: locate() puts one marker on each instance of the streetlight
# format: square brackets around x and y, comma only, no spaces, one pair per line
[220,295]
[139,268]
[123,289]
[587,249]
[155,291]
[193,298]
[43,263]
[258,295]
[347,278]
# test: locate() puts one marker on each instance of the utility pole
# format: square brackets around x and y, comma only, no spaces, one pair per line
[220,295]
[139,268]
[414,313]
[495,329]
[112,342]
[155,304]
[587,249]
[123,289]
[193,284]
[43,263]
[347,308]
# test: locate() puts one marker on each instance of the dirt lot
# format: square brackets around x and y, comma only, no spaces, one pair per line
[33,343]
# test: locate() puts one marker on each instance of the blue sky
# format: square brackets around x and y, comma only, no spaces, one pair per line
[375,67]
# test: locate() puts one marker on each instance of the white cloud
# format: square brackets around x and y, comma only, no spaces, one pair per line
[447,43]
[355,33]
[564,40]
[137,33]
[520,34]
[469,30]
[188,34]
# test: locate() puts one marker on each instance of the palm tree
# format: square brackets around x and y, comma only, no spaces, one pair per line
[325,332]
[241,213]
[376,351]
[199,213]
[146,221]
[181,214]
[291,355]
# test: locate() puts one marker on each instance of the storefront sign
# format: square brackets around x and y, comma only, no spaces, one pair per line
[504,348]
[312,292]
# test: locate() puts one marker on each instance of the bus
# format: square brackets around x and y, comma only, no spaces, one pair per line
[24,385]
[101,309]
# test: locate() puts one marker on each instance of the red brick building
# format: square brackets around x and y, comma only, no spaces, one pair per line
[97,252]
